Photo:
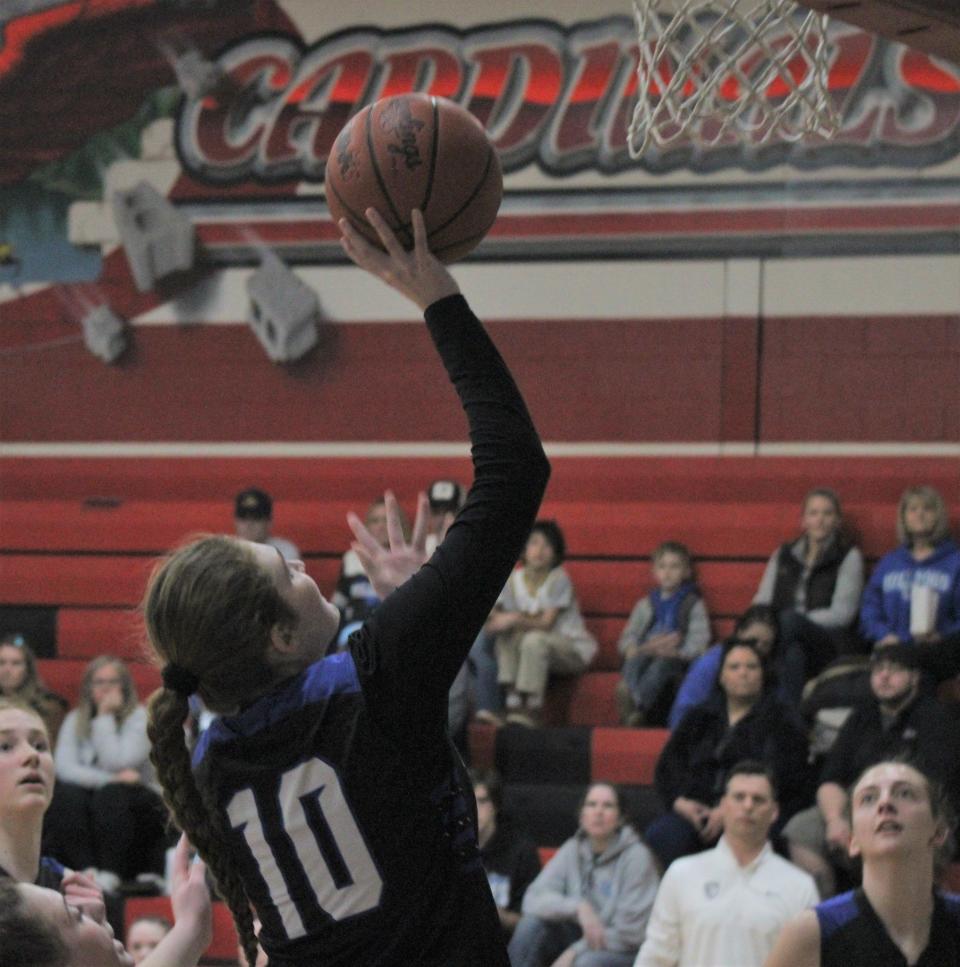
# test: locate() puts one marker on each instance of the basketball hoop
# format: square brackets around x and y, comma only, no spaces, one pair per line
[741,71]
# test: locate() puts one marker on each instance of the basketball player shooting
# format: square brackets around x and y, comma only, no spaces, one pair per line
[328,798]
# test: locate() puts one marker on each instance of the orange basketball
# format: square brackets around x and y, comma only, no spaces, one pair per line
[417,151]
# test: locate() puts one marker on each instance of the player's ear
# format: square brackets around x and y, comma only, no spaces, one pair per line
[940,836]
[854,848]
[281,639]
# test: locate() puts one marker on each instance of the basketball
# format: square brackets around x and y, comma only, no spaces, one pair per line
[417,151]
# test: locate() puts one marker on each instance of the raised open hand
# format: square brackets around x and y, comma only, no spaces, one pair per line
[388,568]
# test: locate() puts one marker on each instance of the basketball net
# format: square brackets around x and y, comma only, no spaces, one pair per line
[737,71]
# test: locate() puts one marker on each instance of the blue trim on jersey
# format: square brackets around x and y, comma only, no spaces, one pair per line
[330,676]
[951,903]
[835,913]
[54,866]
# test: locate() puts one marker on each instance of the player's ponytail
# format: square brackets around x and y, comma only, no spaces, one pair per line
[171,759]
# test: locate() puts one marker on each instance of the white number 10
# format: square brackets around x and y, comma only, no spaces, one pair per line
[310,795]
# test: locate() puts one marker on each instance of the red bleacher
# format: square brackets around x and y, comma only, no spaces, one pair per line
[82,535]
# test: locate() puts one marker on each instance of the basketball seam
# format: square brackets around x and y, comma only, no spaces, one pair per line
[428,190]
[358,221]
[401,226]
[469,200]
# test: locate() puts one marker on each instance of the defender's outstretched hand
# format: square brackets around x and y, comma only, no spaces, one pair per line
[389,568]
[417,274]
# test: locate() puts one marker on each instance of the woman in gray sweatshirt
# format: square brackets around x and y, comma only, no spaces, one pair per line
[590,904]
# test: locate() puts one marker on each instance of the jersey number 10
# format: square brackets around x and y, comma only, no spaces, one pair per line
[327,844]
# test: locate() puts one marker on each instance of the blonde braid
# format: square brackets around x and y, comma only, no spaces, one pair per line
[198,819]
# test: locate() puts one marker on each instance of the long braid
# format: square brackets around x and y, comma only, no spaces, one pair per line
[171,759]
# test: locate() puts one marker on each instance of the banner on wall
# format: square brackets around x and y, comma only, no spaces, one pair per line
[555,98]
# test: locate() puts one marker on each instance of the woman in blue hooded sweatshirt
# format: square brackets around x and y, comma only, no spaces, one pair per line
[926,558]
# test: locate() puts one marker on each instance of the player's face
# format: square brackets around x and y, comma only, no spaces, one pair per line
[26,763]
[90,940]
[820,518]
[892,815]
[748,808]
[538,554]
[742,674]
[600,815]
[317,618]
[13,669]
[670,571]
[142,939]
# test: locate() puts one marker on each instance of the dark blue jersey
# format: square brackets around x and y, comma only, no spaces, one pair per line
[351,817]
[852,935]
[50,874]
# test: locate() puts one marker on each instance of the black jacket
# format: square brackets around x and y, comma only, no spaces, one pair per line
[703,748]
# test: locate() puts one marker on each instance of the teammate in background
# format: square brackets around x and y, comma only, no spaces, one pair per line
[40,927]
[901,827]
[328,796]
[253,518]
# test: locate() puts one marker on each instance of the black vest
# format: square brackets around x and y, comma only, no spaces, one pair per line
[820,583]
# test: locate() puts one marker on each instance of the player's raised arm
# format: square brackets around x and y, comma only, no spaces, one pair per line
[433,619]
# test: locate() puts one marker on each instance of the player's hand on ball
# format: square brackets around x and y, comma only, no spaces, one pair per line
[417,274]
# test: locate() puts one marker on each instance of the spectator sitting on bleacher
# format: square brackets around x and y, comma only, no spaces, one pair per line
[445,498]
[107,815]
[538,626]
[913,595]
[252,520]
[814,584]
[896,719]
[144,936]
[757,624]
[744,721]
[590,904]
[667,629]
[727,905]
[19,679]
[509,857]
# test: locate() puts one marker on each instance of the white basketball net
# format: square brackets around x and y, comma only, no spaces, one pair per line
[730,70]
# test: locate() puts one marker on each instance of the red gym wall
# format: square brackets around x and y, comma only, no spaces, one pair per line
[784,296]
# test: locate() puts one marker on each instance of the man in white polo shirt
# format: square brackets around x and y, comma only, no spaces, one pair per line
[726,906]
